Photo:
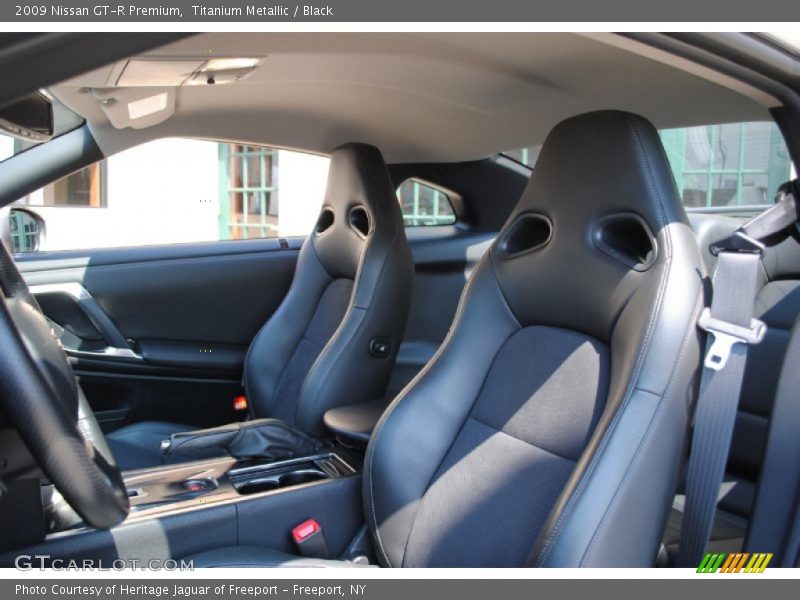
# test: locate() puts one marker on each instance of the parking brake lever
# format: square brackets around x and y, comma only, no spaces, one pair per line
[270,439]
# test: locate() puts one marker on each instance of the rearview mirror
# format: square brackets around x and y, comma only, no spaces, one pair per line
[30,118]
[27,230]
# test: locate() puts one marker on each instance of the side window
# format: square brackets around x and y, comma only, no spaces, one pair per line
[733,166]
[175,191]
[424,205]
[526,156]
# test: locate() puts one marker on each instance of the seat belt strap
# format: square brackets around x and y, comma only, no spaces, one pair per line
[731,328]
[778,494]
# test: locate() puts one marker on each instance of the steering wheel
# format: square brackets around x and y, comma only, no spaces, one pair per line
[40,397]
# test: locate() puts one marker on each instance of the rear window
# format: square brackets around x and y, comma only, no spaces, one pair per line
[732,167]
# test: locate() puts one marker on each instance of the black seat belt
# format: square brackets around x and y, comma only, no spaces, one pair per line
[729,321]
[775,511]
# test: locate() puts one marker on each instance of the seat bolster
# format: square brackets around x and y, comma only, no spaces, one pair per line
[256,557]
[599,521]
[277,340]
[345,372]
[397,473]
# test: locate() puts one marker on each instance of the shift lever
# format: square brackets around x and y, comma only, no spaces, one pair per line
[270,439]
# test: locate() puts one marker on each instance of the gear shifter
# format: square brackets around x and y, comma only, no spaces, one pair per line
[270,439]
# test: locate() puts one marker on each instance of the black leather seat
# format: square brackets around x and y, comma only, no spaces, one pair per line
[778,305]
[352,285]
[547,430]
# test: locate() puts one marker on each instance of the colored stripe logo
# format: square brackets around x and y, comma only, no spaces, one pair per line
[735,562]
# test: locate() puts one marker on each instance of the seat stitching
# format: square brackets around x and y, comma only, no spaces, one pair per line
[483,383]
[590,468]
[390,409]
[659,410]
[446,453]
[656,418]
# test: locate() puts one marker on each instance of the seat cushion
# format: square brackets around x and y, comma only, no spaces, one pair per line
[257,557]
[139,445]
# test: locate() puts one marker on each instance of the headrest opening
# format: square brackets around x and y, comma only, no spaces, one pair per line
[626,238]
[359,220]
[325,220]
[528,233]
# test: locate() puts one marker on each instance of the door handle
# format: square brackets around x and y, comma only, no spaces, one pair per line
[117,344]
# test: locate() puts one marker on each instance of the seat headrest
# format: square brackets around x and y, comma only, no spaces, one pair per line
[592,223]
[359,207]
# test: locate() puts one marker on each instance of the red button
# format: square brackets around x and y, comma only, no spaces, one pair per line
[305,530]
[195,486]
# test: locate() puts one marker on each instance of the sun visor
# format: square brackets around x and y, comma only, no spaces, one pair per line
[156,71]
[140,72]
[137,107]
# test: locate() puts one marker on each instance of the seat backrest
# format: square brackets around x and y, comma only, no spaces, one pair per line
[352,285]
[547,429]
[778,305]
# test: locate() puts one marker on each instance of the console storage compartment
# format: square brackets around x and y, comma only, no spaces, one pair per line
[288,473]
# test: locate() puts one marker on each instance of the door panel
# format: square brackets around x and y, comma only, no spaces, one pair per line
[187,313]
[120,399]
[207,294]
[161,332]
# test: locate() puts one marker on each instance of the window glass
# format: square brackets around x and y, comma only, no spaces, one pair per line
[182,190]
[720,167]
[177,191]
[25,231]
[728,166]
[424,205]
[252,190]
[526,156]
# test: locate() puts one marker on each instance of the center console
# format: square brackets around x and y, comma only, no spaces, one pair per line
[183,509]
[203,483]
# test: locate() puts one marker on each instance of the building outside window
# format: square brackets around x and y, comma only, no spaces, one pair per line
[82,188]
[248,191]
[24,232]
[729,165]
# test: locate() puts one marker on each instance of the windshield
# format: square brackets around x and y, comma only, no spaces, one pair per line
[64,121]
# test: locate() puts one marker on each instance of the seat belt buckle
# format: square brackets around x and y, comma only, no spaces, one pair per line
[310,540]
[726,336]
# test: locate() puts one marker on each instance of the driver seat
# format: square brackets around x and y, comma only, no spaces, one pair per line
[547,430]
